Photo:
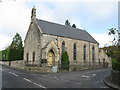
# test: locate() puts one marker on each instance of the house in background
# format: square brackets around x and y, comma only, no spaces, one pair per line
[45,41]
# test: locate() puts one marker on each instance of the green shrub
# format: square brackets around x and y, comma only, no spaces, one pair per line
[15,54]
[65,61]
[12,54]
[3,55]
[115,64]
[0,55]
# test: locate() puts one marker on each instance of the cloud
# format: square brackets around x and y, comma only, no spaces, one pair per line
[100,11]
[59,12]
[103,39]
[5,41]
[70,0]
[14,17]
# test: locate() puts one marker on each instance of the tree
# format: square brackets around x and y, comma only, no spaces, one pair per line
[65,61]
[114,32]
[74,25]
[67,23]
[114,50]
[17,42]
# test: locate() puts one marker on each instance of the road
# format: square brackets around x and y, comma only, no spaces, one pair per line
[13,78]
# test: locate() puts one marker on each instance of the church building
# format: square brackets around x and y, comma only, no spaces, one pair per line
[45,41]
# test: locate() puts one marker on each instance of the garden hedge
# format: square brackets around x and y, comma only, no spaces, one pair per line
[11,54]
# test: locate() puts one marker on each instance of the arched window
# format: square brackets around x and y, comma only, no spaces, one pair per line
[27,56]
[103,60]
[93,53]
[84,53]
[99,61]
[63,46]
[74,51]
[33,55]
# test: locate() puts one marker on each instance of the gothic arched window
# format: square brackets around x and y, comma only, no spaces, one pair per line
[33,55]
[74,51]
[63,46]
[27,56]
[84,53]
[93,53]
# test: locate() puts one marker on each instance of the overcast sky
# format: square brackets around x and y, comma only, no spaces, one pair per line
[94,16]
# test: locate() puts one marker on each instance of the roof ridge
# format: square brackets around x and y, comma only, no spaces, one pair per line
[90,36]
[65,31]
[60,24]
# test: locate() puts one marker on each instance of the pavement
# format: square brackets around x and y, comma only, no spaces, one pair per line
[15,78]
[109,82]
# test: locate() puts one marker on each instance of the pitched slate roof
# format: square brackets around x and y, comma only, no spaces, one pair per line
[64,31]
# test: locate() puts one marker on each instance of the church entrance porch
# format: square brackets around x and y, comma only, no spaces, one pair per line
[51,58]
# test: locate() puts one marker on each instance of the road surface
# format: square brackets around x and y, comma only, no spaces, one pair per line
[14,78]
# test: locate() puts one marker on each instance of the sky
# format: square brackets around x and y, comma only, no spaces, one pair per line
[94,16]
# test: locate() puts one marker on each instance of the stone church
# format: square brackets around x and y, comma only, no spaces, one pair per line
[45,41]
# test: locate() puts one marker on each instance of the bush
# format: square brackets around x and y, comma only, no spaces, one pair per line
[12,54]
[3,55]
[15,54]
[115,64]
[65,61]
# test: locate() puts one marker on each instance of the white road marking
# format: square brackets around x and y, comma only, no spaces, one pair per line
[55,77]
[42,75]
[77,83]
[40,85]
[13,74]
[94,75]
[85,76]
[2,69]
[28,80]
[34,83]
[104,87]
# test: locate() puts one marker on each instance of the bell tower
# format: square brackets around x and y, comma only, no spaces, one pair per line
[33,14]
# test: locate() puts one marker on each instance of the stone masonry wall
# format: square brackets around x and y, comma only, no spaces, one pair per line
[16,64]
[32,43]
[69,47]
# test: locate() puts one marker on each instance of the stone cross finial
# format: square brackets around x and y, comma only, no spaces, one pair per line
[33,14]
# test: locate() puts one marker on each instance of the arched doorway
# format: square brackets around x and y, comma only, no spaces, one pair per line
[51,58]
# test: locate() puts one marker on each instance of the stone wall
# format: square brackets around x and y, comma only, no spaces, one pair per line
[69,47]
[16,64]
[115,76]
[103,57]
[79,44]
[32,43]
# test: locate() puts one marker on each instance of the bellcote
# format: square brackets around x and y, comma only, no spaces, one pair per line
[33,14]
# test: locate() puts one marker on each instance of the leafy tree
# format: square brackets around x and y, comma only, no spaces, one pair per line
[114,50]
[74,25]
[114,32]
[67,23]
[17,42]
[65,61]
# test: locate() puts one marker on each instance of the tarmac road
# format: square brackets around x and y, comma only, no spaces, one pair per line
[14,78]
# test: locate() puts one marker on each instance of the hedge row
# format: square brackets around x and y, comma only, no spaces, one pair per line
[11,54]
